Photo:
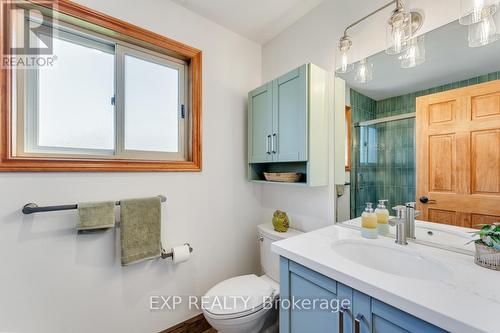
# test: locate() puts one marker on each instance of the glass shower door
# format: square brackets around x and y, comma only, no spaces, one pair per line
[383,165]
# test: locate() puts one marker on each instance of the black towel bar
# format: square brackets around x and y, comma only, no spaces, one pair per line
[33,208]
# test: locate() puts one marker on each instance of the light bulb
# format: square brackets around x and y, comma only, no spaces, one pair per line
[364,71]
[477,10]
[398,40]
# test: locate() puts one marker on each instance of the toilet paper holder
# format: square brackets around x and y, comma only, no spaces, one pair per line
[165,254]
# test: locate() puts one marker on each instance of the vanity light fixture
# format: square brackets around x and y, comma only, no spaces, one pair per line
[402,26]
[364,71]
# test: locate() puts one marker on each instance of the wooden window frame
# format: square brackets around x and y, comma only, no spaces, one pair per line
[120,30]
[348,121]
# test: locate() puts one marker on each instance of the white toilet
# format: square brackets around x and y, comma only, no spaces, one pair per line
[244,310]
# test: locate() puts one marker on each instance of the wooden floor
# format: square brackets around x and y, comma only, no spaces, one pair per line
[196,324]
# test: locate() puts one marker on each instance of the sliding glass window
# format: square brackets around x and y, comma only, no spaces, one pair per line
[101,98]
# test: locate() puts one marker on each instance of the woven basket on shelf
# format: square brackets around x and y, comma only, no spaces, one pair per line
[284,177]
[487,257]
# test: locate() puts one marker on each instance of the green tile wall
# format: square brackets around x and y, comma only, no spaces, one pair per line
[386,164]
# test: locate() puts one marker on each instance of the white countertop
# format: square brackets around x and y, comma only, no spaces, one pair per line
[469,302]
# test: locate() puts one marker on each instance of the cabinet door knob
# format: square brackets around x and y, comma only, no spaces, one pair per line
[357,323]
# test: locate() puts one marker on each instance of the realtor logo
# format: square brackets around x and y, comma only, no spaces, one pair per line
[32,32]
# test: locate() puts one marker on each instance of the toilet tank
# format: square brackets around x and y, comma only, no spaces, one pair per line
[269,261]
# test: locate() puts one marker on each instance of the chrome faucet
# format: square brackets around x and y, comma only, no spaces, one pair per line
[410,214]
[400,222]
[404,222]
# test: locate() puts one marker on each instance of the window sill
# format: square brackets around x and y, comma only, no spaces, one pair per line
[19,164]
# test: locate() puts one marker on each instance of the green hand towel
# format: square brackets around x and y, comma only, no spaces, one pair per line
[140,229]
[96,215]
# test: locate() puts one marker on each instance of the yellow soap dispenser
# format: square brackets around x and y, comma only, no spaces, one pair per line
[369,222]
[382,217]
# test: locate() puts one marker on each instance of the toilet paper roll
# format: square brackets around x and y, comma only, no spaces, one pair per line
[181,253]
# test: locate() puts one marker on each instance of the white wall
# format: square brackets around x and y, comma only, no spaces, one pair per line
[314,38]
[53,280]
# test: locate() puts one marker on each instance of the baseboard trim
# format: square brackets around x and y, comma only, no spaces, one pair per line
[196,324]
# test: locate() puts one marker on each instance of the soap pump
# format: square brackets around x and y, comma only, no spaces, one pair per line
[382,217]
[369,222]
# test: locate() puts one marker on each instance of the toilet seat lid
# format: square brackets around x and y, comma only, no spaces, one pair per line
[240,296]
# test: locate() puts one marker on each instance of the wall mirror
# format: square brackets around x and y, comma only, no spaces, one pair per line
[426,129]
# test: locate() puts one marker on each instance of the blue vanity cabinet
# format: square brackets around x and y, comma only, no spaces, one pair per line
[260,102]
[302,288]
[365,315]
[388,319]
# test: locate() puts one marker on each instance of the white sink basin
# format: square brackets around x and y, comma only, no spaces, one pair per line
[395,260]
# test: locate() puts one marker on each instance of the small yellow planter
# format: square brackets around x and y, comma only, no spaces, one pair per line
[280,221]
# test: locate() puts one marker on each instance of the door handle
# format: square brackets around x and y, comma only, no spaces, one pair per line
[425,200]
[268,145]
[274,144]
[357,323]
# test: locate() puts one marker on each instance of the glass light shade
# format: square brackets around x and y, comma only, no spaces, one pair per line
[415,54]
[483,32]
[364,71]
[343,61]
[344,64]
[474,11]
[399,32]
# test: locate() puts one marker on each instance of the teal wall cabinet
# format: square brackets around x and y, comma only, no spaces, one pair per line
[365,314]
[290,116]
[260,101]
[288,126]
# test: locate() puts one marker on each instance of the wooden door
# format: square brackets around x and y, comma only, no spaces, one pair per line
[260,122]
[290,116]
[458,155]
